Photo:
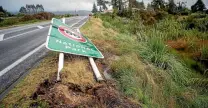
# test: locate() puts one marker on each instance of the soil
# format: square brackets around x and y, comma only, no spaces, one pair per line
[100,95]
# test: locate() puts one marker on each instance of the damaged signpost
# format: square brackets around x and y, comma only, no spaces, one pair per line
[64,39]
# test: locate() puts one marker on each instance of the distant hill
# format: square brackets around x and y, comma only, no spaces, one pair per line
[79,12]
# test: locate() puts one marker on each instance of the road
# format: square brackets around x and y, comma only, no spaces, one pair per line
[23,47]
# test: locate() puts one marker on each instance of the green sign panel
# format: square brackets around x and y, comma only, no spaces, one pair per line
[63,38]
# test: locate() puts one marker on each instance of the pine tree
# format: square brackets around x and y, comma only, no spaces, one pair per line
[198,6]
[23,10]
[171,7]
[94,9]
[2,9]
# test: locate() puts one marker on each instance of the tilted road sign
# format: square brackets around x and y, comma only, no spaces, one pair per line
[63,38]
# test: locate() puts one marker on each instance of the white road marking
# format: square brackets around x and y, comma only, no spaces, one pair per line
[21,34]
[77,23]
[40,27]
[1,37]
[20,60]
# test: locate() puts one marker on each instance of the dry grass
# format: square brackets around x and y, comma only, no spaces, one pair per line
[78,72]
[103,38]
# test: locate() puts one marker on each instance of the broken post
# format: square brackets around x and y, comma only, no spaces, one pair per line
[94,66]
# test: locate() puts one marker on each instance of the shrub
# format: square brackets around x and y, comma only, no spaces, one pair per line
[43,16]
[148,17]
[204,52]
[20,15]
[1,20]
[8,22]
[27,18]
[160,15]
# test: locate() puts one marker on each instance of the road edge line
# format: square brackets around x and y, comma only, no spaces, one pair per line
[1,37]
[8,68]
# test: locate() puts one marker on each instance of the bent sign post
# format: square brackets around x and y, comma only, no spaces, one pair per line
[63,39]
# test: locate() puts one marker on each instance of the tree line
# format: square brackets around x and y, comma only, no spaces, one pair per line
[31,9]
[170,6]
[4,13]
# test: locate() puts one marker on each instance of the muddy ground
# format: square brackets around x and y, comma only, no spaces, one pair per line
[100,95]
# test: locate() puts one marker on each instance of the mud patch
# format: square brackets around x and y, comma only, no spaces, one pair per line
[101,95]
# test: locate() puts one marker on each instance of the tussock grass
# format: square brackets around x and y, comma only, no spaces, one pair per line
[162,79]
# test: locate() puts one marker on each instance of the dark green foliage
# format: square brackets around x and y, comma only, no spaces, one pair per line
[198,6]
[2,9]
[197,21]
[102,5]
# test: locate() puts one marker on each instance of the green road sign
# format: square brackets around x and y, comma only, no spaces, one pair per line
[63,38]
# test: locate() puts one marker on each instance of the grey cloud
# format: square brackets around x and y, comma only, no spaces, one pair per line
[65,5]
[49,5]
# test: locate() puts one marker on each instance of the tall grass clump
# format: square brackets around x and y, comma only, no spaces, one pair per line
[172,28]
[156,52]
[204,52]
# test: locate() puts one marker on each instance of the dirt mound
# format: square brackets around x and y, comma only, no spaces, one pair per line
[101,95]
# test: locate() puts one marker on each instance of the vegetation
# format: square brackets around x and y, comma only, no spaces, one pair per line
[24,19]
[28,14]
[158,58]
[170,80]
[31,9]
[166,54]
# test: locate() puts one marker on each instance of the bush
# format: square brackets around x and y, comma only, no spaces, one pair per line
[8,22]
[148,17]
[1,20]
[43,16]
[27,18]
[20,15]
[160,15]
[197,21]
[204,52]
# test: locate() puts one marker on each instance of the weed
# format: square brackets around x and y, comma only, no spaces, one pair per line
[204,52]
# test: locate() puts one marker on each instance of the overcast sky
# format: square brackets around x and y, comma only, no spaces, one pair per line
[64,5]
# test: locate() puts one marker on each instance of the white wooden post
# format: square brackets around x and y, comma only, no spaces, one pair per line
[94,66]
[61,60]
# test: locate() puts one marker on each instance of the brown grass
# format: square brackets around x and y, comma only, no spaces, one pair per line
[77,71]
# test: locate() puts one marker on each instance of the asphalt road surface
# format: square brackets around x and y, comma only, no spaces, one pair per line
[23,47]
